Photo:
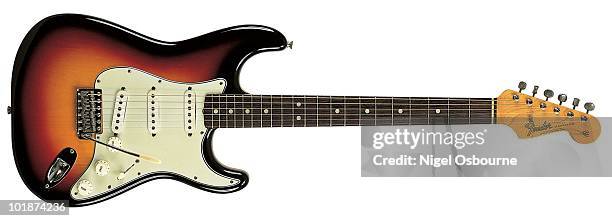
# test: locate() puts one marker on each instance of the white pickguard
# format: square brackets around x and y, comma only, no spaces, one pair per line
[179,153]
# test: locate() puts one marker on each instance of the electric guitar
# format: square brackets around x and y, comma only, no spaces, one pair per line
[98,109]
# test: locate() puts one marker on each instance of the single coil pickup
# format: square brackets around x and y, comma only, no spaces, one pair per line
[189,108]
[152,112]
[121,99]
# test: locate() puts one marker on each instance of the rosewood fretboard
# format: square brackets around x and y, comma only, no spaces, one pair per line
[245,110]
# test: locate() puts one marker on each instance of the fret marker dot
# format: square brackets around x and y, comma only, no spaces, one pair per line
[437,111]
[230,111]
[400,111]
[298,117]
[246,111]
[337,111]
[367,111]
[266,111]
[215,111]
[298,104]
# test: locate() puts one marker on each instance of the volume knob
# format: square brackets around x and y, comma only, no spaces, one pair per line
[115,142]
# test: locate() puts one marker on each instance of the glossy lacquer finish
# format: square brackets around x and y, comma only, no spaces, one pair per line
[65,52]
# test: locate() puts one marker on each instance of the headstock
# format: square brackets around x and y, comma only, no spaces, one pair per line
[530,116]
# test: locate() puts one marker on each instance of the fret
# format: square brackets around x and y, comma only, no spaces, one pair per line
[266,114]
[299,102]
[401,111]
[256,111]
[383,111]
[276,111]
[480,111]
[367,112]
[338,111]
[419,114]
[459,111]
[287,109]
[230,105]
[325,111]
[243,111]
[438,111]
[238,111]
[215,111]
[311,111]
[222,112]
[207,112]
[352,111]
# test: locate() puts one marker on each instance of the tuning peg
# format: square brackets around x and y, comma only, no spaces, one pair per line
[548,93]
[589,106]
[522,85]
[575,103]
[535,90]
[562,98]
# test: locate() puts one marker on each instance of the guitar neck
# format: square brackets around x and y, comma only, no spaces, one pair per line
[246,110]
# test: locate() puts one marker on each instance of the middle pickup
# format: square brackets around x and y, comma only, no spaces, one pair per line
[189,108]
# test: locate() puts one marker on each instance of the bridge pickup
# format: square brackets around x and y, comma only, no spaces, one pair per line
[121,99]
[89,111]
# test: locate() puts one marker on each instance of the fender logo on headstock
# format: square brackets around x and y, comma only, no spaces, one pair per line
[546,126]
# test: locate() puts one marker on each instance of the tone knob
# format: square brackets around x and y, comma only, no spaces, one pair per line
[562,98]
[548,93]
[102,167]
[85,188]
[589,106]
[522,85]
[115,142]
[575,103]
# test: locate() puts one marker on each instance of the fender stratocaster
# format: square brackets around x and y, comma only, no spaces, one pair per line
[98,109]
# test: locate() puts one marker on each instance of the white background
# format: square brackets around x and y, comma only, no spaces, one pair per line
[423,48]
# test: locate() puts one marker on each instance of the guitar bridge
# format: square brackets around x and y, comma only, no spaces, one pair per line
[89,111]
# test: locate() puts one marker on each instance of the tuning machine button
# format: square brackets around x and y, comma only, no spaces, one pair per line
[562,98]
[548,93]
[589,106]
[102,167]
[575,103]
[535,90]
[522,85]
[85,187]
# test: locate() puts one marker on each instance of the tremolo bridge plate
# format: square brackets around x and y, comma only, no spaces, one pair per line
[89,111]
